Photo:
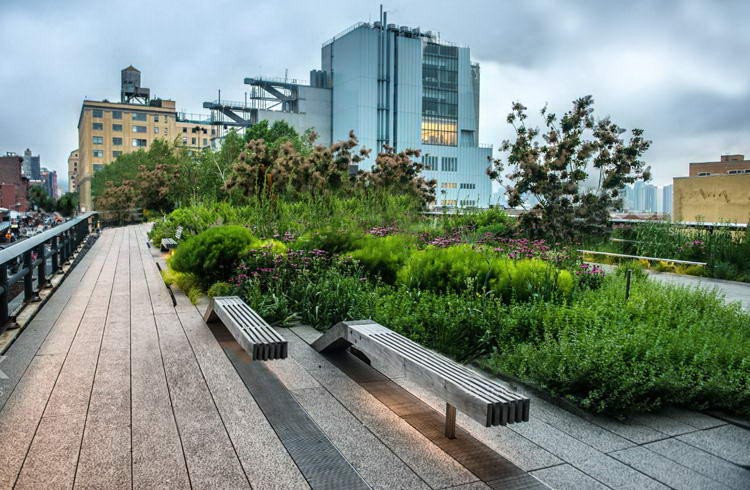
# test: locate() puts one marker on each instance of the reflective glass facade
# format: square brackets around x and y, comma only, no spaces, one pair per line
[439,94]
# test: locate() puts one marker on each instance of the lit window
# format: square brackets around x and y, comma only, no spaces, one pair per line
[98,140]
[439,131]
[117,127]
[117,141]
[139,143]
[97,113]
[116,114]
[138,129]
[97,126]
[138,116]
[98,154]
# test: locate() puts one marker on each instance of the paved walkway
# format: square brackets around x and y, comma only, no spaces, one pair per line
[732,290]
[111,386]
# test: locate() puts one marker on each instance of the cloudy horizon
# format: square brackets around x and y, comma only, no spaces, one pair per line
[678,70]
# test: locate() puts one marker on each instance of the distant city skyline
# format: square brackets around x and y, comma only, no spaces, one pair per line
[689,92]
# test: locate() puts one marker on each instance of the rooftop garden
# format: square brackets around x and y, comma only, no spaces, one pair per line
[286,226]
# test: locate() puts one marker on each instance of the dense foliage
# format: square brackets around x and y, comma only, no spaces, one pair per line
[554,165]
[519,307]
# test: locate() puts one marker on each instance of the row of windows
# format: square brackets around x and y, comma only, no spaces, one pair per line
[468,186]
[730,172]
[464,202]
[440,95]
[435,49]
[135,129]
[454,185]
[440,62]
[449,164]
[135,116]
[100,154]
[430,162]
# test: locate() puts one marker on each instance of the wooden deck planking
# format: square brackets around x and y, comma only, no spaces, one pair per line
[21,416]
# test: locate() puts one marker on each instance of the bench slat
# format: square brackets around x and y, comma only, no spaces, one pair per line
[482,399]
[254,334]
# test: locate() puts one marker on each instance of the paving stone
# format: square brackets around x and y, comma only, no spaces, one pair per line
[307,333]
[73,387]
[292,374]
[379,467]
[692,418]
[664,470]
[513,446]
[707,464]
[51,461]
[431,463]
[663,423]
[266,462]
[616,474]
[105,457]
[564,477]
[729,442]
[556,442]
[638,433]
[208,451]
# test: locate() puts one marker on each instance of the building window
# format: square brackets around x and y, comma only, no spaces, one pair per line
[97,113]
[156,130]
[205,142]
[449,202]
[468,186]
[213,131]
[98,154]
[192,142]
[468,202]
[448,185]
[732,172]
[138,129]
[138,143]
[440,95]
[184,130]
[138,116]
[430,162]
[439,131]
[117,127]
[156,118]
[116,114]
[166,130]
[449,164]
[703,174]
[97,126]
[98,140]
[97,167]
[116,154]
[184,140]
[117,141]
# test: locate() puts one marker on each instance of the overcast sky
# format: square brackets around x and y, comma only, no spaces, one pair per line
[678,69]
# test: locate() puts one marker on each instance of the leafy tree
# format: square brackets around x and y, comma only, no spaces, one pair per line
[400,173]
[278,133]
[553,165]
[67,205]
[38,197]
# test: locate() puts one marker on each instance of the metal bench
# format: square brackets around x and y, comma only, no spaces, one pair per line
[253,334]
[485,401]
[170,243]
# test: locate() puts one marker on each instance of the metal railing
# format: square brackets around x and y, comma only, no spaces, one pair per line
[28,259]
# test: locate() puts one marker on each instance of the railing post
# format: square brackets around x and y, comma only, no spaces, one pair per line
[41,271]
[55,249]
[28,278]
[4,297]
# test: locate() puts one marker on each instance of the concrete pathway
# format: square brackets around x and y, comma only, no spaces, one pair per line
[732,290]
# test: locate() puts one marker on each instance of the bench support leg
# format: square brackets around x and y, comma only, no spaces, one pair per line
[450,421]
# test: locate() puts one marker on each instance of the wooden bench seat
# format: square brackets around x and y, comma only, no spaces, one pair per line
[484,400]
[170,243]
[253,334]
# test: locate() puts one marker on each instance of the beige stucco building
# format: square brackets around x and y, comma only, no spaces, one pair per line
[712,198]
[107,130]
[73,160]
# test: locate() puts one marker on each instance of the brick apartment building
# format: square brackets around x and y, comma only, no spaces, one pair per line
[14,187]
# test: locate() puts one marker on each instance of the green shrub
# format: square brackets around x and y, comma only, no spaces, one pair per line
[462,268]
[220,289]
[213,254]
[331,240]
[384,256]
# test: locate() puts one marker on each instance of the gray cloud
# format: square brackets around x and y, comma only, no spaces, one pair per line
[677,69]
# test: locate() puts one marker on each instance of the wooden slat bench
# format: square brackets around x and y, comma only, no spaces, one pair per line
[170,243]
[253,334]
[486,401]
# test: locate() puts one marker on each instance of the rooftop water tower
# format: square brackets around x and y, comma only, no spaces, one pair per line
[132,92]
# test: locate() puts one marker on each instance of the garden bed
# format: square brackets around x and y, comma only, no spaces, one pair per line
[466,287]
